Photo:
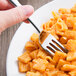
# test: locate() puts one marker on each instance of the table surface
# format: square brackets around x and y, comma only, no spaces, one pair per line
[6,36]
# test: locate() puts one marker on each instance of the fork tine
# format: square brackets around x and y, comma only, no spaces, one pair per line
[49,51]
[51,48]
[54,45]
[65,50]
[50,40]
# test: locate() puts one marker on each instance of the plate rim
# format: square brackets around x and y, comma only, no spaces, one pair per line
[17,31]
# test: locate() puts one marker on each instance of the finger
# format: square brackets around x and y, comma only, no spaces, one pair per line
[4,4]
[15,15]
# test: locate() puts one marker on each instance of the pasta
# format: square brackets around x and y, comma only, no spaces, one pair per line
[36,62]
[40,64]
[23,67]
[25,58]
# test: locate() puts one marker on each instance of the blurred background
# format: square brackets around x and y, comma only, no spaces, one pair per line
[6,36]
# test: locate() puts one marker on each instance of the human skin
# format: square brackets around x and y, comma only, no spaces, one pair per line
[10,15]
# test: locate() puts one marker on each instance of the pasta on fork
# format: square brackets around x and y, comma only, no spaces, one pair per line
[36,62]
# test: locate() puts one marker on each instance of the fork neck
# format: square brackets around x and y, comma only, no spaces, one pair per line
[34,25]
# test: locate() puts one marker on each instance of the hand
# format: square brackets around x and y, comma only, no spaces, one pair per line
[9,17]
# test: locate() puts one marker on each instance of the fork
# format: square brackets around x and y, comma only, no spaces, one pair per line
[50,44]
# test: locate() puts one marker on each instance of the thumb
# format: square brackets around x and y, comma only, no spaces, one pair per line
[15,15]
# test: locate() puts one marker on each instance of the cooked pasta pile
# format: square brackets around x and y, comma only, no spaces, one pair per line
[36,62]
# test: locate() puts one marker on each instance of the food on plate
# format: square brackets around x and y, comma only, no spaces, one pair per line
[36,62]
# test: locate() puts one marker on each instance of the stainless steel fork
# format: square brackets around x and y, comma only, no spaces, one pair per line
[50,44]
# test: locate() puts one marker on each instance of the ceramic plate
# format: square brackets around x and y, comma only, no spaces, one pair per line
[24,32]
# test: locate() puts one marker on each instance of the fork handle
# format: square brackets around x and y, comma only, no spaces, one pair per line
[16,3]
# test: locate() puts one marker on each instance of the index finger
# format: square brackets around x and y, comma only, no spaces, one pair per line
[5,4]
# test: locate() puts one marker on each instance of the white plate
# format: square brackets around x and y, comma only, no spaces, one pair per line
[24,32]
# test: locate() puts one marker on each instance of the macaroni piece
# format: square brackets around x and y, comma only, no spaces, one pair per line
[25,58]
[23,67]
[71,45]
[61,63]
[73,62]
[41,54]
[33,54]
[33,74]
[36,62]
[73,73]
[59,55]
[71,56]
[40,64]
[68,67]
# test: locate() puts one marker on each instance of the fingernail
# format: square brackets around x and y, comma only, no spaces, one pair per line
[28,10]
